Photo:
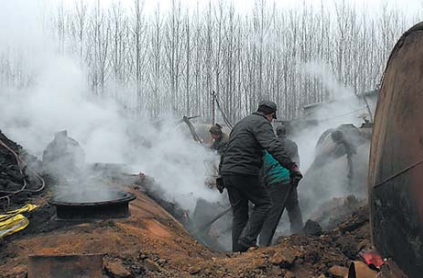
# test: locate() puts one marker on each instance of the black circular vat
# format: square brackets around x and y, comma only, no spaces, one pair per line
[113,205]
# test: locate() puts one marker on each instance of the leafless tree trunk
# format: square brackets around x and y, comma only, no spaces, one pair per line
[176,61]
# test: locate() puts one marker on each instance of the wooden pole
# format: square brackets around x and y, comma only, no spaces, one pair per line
[213,107]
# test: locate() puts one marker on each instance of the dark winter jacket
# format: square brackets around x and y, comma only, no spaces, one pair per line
[291,149]
[247,141]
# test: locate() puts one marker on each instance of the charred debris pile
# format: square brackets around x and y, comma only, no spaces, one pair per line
[17,182]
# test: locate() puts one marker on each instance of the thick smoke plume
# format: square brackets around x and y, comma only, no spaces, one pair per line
[343,107]
[59,98]
[330,181]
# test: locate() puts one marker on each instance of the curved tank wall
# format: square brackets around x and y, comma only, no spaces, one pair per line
[396,157]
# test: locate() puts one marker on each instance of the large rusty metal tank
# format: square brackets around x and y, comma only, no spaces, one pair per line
[396,157]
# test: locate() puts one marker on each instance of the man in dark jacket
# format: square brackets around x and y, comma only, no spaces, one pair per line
[240,167]
[291,147]
[292,205]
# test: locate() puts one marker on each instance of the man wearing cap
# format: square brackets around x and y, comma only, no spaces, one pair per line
[240,167]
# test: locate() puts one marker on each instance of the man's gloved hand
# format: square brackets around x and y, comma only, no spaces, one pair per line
[295,175]
[219,184]
[295,180]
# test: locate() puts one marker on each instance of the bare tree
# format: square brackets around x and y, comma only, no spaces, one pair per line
[176,60]
[138,29]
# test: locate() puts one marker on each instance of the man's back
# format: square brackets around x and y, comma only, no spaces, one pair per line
[240,166]
[248,139]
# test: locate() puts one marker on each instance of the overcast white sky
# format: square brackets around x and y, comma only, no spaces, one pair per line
[247,5]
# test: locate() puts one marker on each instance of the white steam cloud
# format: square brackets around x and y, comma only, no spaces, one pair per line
[343,108]
[60,98]
[323,72]
[330,181]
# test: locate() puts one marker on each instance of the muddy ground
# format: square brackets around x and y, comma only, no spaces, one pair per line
[152,243]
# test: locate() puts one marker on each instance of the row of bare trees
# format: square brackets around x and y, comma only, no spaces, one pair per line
[153,62]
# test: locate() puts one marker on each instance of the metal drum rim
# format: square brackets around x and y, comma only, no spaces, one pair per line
[127,197]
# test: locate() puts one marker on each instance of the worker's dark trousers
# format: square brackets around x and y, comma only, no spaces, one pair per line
[245,229]
[294,213]
[278,193]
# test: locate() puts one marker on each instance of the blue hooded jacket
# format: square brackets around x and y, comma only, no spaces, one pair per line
[273,172]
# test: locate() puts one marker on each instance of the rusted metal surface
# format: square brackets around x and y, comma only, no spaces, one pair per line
[390,270]
[65,266]
[396,159]
[117,207]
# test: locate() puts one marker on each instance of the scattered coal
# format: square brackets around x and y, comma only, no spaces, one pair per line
[337,247]
[312,228]
[299,256]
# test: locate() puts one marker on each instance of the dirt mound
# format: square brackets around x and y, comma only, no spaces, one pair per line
[335,211]
[17,184]
[152,243]
[10,177]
